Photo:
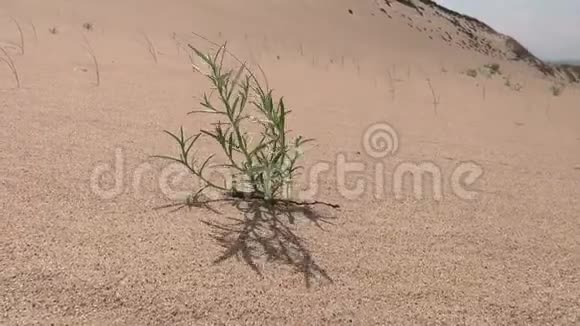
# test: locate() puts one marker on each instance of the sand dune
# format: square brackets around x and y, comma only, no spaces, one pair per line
[71,253]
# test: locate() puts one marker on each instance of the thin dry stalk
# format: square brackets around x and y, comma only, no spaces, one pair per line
[91,52]
[177,43]
[483,91]
[10,63]
[21,46]
[435,96]
[34,31]
[150,47]
[192,60]
[391,84]
[235,58]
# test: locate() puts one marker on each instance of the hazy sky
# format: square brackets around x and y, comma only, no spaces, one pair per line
[548,28]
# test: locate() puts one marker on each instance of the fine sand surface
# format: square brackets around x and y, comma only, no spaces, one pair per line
[73,254]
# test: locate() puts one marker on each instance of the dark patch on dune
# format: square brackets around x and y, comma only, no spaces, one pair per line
[472,28]
[521,53]
[385,12]
[450,12]
[572,72]
[412,5]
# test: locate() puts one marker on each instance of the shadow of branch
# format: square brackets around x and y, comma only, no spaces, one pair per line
[264,234]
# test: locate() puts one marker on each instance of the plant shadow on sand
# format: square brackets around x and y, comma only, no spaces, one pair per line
[265,234]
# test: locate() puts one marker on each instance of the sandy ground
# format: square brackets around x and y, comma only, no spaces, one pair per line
[71,255]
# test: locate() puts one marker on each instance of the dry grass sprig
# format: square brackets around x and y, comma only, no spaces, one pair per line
[435,96]
[21,34]
[151,47]
[91,52]
[6,58]
[34,31]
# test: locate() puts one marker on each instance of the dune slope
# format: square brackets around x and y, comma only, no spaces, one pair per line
[76,251]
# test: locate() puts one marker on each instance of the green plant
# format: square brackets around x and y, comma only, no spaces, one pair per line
[493,68]
[471,73]
[557,89]
[264,164]
[488,70]
[515,87]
